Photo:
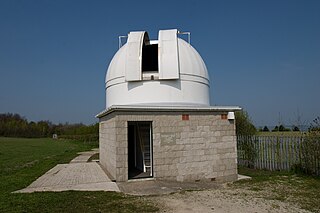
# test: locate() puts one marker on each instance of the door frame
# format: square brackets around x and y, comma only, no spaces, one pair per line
[134,152]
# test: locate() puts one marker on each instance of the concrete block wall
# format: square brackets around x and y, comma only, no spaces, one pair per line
[122,149]
[201,148]
[108,145]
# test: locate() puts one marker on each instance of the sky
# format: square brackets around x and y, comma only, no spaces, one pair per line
[263,56]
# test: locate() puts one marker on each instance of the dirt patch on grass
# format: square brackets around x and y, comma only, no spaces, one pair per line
[223,200]
[266,192]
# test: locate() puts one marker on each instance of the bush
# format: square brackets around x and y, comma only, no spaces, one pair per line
[247,150]
[310,153]
[244,125]
[310,150]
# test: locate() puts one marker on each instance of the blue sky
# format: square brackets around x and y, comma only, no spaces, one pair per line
[262,55]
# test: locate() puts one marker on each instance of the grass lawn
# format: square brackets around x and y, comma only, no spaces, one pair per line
[23,160]
[284,186]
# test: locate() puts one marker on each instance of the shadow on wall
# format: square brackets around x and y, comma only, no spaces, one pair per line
[173,83]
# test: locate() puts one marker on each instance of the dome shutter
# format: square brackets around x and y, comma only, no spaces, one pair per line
[133,56]
[168,54]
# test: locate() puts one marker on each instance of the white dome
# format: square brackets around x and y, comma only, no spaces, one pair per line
[178,74]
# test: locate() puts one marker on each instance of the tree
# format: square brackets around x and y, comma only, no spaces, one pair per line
[14,125]
[265,129]
[283,129]
[295,129]
[244,125]
[275,129]
[315,125]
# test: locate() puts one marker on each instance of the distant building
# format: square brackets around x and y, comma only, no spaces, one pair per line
[158,122]
[54,136]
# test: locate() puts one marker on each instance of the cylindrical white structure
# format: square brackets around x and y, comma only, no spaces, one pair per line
[179,75]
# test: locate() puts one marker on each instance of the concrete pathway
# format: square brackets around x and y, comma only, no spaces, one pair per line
[84,156]
[81,175]
[78,175]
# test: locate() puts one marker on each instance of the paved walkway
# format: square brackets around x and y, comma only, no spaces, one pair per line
[78,175]
[81,175]
[84,156]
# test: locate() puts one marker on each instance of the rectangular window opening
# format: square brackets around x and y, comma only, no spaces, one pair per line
[150,58]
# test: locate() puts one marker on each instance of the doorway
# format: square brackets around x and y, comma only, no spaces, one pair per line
[139,149]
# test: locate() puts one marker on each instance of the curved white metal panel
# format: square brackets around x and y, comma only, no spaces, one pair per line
[133,55]
[168,54]
[156,92]
[192,87]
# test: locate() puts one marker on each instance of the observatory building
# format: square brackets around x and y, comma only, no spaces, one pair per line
[158,122]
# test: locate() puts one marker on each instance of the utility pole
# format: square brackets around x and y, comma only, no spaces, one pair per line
[279,122]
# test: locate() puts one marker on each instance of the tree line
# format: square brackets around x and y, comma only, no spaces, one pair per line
[280,128]
[15,125]
[244,125]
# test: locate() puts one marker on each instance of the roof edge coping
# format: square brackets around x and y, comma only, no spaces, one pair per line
[149,108]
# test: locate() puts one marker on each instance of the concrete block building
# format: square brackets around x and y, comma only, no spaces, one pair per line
[158,122]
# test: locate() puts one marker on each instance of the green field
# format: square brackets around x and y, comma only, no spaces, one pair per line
[289,133]
[23,160]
